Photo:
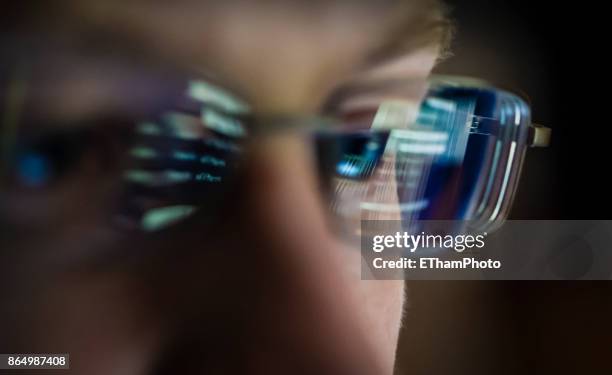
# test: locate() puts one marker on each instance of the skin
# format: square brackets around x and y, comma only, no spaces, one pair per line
[277,292]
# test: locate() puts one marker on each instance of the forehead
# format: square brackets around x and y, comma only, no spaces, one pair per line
[278,54]
[288,49]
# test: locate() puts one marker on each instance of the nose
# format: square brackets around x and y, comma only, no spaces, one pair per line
[286,296]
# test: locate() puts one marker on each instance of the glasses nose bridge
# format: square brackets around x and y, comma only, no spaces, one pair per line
[264,125]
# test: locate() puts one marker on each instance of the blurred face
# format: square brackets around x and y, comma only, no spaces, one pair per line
[263,285]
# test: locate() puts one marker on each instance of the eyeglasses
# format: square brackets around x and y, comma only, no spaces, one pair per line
[450,148]
[456,154]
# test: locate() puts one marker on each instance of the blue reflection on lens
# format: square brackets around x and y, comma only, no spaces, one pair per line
[359,154]
[347,169]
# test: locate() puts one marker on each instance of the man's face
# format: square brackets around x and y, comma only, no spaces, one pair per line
[266,287]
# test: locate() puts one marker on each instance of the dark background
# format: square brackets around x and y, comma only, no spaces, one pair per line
[556,53]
